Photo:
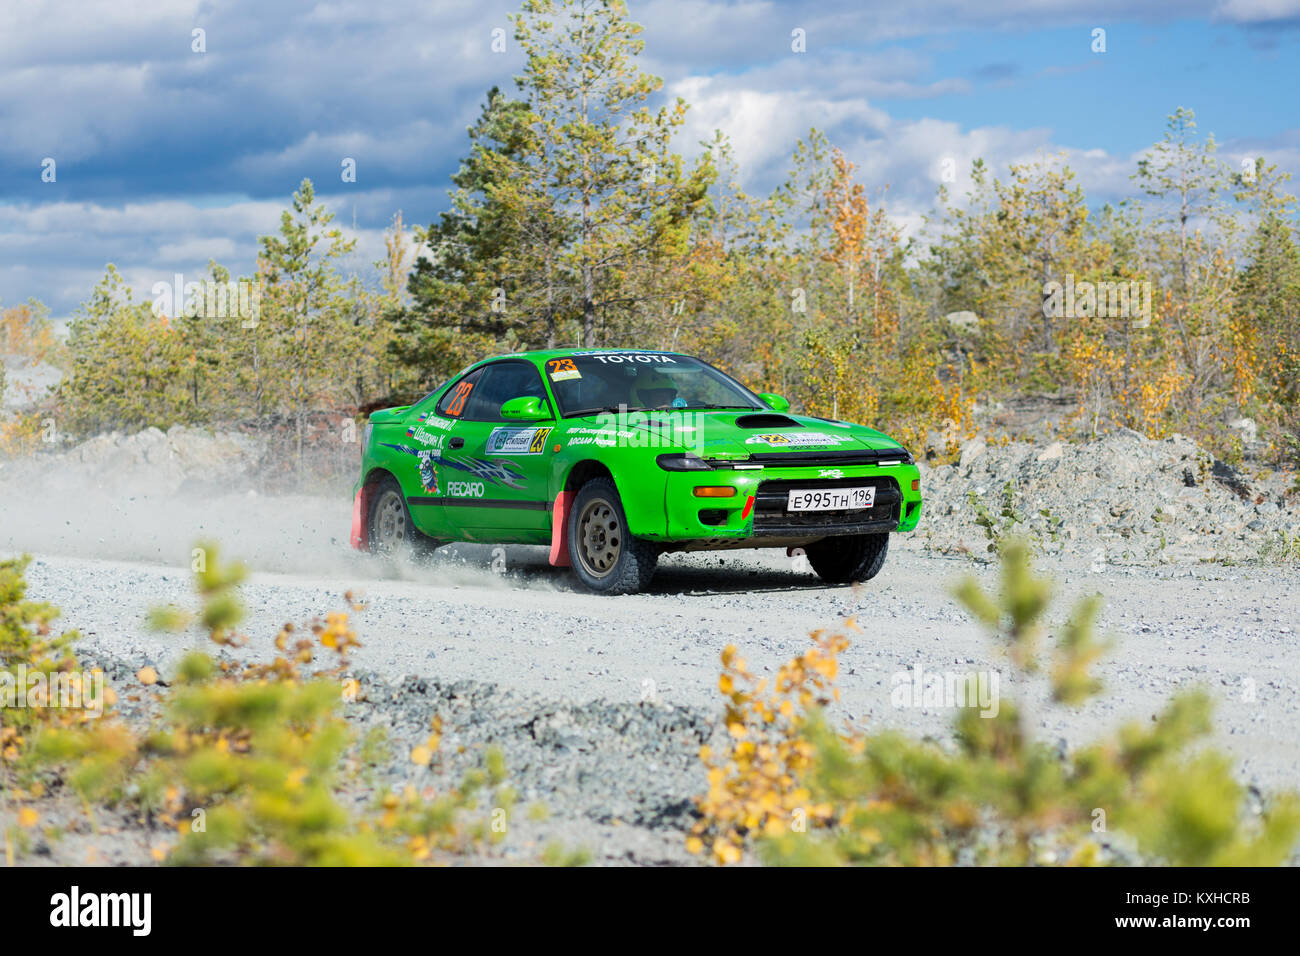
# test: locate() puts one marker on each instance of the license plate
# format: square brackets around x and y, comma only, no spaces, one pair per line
[830,499]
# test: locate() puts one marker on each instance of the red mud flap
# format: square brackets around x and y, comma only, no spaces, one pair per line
[560,529]
[360,509]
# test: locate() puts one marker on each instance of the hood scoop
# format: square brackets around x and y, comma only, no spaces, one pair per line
[766,420]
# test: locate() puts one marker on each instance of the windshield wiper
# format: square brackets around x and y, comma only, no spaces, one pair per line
[604,408]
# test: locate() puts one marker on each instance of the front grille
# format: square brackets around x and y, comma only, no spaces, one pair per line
[772,518]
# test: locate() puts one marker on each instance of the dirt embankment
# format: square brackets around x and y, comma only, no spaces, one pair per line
[1121,499]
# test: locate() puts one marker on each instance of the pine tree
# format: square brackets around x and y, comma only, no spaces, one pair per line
[303,303]
[603,156]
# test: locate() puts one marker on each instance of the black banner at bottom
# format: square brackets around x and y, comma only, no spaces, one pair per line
[267,906]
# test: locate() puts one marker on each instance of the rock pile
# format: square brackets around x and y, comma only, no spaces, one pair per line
[150,461]
[1121,499]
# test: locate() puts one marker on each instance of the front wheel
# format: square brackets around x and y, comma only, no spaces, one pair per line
[391,532]
[604,555]
[857,557]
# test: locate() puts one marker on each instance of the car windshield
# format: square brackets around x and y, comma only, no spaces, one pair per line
[600,381]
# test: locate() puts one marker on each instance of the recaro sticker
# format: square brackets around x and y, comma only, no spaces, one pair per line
[465,489]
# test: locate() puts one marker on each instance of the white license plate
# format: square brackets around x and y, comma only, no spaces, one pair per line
[830,499]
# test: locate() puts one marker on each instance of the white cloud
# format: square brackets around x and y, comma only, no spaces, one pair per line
[59,249]
[146,133]
[1257,11]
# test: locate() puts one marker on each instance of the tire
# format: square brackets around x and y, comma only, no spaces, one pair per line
[603,555]
[842,560]
[390,532]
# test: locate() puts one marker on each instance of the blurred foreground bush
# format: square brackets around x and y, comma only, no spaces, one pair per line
[245,763]
[806,794]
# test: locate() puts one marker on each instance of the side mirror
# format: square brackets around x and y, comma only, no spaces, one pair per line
[774,401]
[526,408]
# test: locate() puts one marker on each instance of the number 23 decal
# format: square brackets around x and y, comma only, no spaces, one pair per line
[459,394]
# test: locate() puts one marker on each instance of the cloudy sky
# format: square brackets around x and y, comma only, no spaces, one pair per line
[165,158]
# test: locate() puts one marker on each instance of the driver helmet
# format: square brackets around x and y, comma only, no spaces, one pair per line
[653,388]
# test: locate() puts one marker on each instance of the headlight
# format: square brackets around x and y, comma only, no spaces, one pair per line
[683,461]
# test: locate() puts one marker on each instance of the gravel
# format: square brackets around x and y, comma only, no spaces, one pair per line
[1122,499]
[601,704]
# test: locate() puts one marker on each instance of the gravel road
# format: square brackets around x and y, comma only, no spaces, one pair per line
[600,703]
[528,631]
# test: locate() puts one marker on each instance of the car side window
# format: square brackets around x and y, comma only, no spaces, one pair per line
[452,405]
[500,383]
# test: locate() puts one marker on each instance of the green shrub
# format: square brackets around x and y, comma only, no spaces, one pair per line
[1000,796]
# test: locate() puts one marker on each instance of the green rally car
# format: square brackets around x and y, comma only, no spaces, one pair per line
[615,456]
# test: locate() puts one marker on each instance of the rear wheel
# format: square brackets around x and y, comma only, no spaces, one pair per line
[391,532]
[841,560]
[604,555]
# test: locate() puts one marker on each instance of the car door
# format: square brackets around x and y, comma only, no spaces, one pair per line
[429,434]
[495,483]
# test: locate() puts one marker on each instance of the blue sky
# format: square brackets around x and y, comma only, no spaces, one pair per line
[167,158]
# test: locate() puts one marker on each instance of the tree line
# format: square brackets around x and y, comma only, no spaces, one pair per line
[576,219]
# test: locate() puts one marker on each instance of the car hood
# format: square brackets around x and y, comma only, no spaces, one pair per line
[739,435]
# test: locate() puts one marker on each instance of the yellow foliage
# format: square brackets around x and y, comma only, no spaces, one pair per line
[755,786]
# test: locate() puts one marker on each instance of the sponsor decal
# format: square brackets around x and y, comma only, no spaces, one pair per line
[421,433]
[427,461]
[493,472]
[609,431]
[634,358]
[795,439]
[830,473]
[562,369]
[601,440]
[464,489]
[459,395]
[429,473]
[607,436]
[433,440]
[517,441]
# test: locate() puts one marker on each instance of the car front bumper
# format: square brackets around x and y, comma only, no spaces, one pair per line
[757,511]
